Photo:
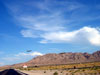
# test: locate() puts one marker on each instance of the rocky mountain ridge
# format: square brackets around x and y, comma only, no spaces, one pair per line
[65,58]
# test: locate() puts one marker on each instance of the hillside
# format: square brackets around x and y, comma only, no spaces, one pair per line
[65,58]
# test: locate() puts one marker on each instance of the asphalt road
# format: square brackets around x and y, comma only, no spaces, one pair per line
[11,72]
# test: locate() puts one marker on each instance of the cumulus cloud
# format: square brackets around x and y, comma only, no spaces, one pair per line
[85,34]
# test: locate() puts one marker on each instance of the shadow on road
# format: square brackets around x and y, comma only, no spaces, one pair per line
[11,72]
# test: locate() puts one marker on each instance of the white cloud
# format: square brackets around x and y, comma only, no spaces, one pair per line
[28,33]
[85,34]
[34,27]
[51,19]
[13,58]
[20,57]
[1,63]
[30,54]
[44,22]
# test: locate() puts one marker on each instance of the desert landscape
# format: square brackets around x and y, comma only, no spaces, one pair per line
[49,37]
[61,64]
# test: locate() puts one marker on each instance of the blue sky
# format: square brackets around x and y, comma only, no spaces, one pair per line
[47,26]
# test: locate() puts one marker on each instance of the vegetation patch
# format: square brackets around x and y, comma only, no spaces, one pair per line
[55,73]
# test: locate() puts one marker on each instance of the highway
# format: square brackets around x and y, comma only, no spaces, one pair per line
[11,72]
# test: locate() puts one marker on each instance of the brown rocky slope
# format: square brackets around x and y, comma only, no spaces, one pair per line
[65,58]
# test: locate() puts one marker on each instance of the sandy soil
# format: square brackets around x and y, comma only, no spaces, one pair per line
[44,72]
[51,72]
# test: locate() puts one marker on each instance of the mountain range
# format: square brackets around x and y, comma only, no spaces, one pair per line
[61,58]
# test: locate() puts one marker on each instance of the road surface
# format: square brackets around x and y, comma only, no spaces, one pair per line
[11,72]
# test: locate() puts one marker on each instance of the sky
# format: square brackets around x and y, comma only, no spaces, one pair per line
[47,26]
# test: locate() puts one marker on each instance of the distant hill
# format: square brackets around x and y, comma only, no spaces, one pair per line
[62,58]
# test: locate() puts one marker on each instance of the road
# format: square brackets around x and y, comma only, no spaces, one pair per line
[11,72]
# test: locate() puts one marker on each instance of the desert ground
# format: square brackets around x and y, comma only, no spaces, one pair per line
[92,68]
[61,72]
[71,69]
